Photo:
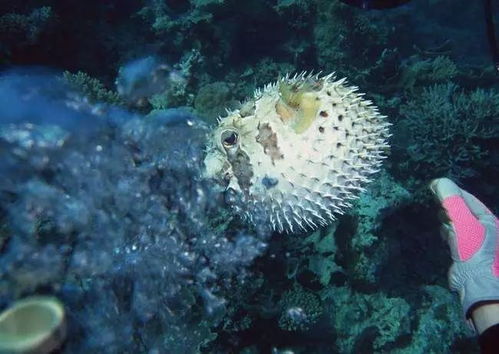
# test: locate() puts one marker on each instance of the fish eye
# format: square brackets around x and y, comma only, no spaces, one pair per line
[229,138]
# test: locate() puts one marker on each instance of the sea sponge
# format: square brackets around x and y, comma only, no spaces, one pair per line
[298,152]
[32,325]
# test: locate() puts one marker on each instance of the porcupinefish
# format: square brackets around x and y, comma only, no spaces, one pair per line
[299,151]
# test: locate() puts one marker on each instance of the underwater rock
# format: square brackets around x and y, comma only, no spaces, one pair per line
[116,222]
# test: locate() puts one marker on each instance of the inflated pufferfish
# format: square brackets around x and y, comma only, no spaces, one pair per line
[299,151]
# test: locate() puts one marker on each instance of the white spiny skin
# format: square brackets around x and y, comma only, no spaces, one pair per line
[300,153]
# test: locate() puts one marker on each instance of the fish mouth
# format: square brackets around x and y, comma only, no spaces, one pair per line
[233,194]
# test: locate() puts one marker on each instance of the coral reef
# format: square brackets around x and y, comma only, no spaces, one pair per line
[300,309]
[447,130]
[366,248]
[22,30]
[212,100]
[91,88]
[437,313]
[432,70]
[372,322]
[104,206]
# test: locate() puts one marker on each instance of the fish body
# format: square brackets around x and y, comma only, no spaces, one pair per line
[299,151]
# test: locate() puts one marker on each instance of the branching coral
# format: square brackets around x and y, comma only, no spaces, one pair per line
[446,128]
[91,88]
[27,27]
[439,69]
[178,21]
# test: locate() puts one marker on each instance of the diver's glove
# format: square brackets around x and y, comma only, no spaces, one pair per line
[472,232]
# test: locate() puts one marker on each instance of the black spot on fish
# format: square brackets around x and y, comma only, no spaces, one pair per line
[269,182]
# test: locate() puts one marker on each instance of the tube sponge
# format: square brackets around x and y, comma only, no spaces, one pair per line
[32,325]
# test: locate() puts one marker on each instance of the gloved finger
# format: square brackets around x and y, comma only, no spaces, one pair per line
[443,188]
[449,194]
[448,234]
[466,233]
[476,206]
[443,217]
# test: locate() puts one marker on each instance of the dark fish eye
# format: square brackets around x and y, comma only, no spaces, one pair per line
[229,138]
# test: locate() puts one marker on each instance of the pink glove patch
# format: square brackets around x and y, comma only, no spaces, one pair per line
[470,234]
